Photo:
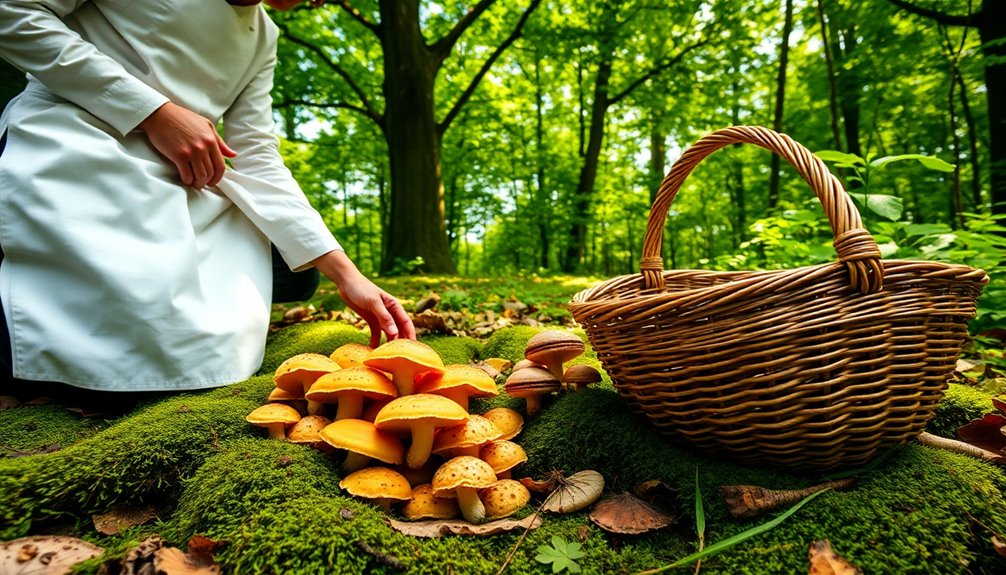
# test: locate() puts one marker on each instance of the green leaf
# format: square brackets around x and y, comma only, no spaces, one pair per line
[889,207]
[700,515]
[561,555]
[849,160]
[930,162]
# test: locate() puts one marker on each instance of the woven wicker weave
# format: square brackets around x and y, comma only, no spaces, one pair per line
[814,368]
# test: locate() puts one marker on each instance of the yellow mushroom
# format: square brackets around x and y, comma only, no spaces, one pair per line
[349,387]
[503,498]
[462,477]
[509,422]
[419,415]
[458,383]
[467,438]
[380,485]
[363,442]
[424,505]
[404,359]
[502,456]
[275,417]
[297,373]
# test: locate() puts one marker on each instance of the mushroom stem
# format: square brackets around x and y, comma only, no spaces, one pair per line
[533,404]
[277,431]
[354,461]
[422,444]
[470,504]
[555,367]
[384,503]
[472,450]
[458,396]
[503,474]
[404,380]
[315,408]
[350,407]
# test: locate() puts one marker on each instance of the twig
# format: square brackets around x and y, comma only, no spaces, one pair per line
[930,440]
[537,513]
[388,560]
[746,501]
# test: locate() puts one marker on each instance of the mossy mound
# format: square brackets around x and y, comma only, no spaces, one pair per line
[278,509]
[961,405]
[40,428]
[454,349]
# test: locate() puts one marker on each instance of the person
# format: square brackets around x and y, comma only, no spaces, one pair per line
[134,257]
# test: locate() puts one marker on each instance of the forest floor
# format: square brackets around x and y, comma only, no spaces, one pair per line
[190,470]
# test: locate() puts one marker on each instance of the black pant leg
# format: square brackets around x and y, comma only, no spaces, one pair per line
[288,286]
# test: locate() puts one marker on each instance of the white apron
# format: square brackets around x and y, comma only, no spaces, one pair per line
[117,277]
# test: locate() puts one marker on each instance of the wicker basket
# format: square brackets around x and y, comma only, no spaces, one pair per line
[814,368]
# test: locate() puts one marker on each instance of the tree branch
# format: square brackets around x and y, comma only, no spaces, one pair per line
[463,98]
[359,17]
[941,17]
[367,108]
[655,71]
[442,47]
[290,102]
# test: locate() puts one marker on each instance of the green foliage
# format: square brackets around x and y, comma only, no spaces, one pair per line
[561,554]
[454,349]
[961,405]
[31,428]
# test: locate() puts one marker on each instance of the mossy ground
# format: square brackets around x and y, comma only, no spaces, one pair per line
[278,509]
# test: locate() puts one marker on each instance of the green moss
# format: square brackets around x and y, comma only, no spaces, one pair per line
[453,349]
[308,337]
[33,428]
[961,405]
[508,343]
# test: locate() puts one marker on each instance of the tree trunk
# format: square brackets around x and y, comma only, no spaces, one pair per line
[976,175]
[780,98]
[992,31]
[416,226]
[849,86]
[542,202]
[832,90]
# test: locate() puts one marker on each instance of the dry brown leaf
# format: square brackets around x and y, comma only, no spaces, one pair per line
[543,486]
[627,514]
[442,527]
[9,402]
[824,560]
[432,321]
[171,561]
[429,302]
[999,545]
[122,517]
[153,556]
[44,555]
[500,363]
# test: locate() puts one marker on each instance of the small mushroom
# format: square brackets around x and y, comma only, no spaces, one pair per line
[363,442]
[532,383]
[552,348]
[578,377]
[294,400]
[308,431]
[524,364]
[350,354]
[404,359]
[419,415]
[424,505]
[458,383]
[502,456]
[349,387]
[627,514]
[509,422]
[297,373]
[503,498]
[275,417]
[380,485]
[466,438]
[574,492]
[462,477]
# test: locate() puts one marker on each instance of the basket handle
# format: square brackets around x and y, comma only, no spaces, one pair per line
[855,247]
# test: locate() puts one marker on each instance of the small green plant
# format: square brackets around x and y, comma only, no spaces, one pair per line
[403,267]
[561,554]
[455,300]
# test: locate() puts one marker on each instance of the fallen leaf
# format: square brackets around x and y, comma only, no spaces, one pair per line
[153,556]
[171,561]
[824,560]
[9,402]
[88,412]
[487,368]
[575,492]
[535,486]
[986,433]
[656,492]
[440,528]
[44,555]
[627,514]
[999,545]
[432,321]
[500,363]
[122,517]
[429,302]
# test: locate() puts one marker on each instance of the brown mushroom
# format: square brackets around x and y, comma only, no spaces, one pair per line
[419,415]
[350,354]
[404,359]
[532,383]
[503,498]
[502,456]
[380,485]
[627,514]
[524,364]
[308,431]
[349,387]
[275,417]
[466,438]
[578,377]
[363,442]
[574,492]
[462,477]
[424,505]
[297,373]
[458,383]
[509,422]
[552,348]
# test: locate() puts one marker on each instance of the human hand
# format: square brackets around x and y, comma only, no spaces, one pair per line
[190,142]
[381,311]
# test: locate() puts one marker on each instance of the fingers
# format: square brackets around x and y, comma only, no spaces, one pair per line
[184,172]
[224,148]
[202,170]
[399,316]
[218,166]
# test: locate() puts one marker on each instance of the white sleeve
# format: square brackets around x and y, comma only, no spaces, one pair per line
[34,38]
[278,208]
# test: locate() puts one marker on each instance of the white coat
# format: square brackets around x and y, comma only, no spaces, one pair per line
[116,276]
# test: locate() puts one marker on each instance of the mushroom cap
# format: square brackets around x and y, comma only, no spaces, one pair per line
[301,369]
[271,413]
[627,514]
[362,437]
[399,353]
[474,381]
[377,483]
[502,455]
[509,421]
[280,394]
[524,364]
[358,380]
[308,429]
[424,505]
[476,430]
[581,375]
[403,412]
[462,471]
[554,345]
[531,381]
[504,497]
[350,354]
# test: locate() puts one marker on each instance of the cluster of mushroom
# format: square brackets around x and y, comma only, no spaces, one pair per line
[402,420]
[542,371]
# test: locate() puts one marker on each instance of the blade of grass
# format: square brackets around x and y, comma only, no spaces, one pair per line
[700,520]
[869,467]
[738,538]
